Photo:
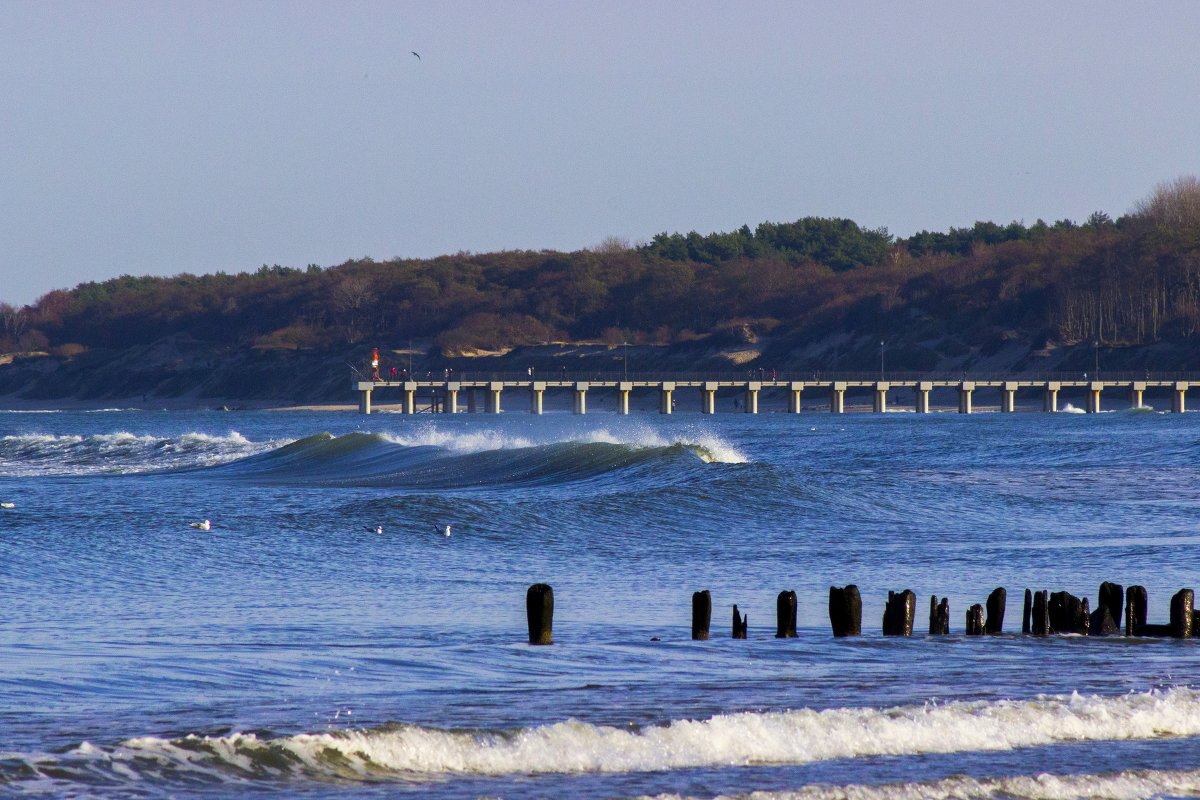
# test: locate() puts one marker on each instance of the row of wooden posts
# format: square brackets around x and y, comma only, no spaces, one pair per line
[1045,613]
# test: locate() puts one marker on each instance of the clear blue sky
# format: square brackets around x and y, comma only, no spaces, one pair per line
[159,138]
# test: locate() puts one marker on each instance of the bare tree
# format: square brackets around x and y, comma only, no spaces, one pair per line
[1174,204]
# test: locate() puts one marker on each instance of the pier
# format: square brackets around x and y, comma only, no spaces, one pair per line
[486,392]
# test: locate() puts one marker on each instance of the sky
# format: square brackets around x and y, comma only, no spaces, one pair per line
[156,138]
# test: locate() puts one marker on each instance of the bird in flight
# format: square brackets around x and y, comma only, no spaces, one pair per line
[415,53]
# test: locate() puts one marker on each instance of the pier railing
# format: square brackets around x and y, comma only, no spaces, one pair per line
[788,376]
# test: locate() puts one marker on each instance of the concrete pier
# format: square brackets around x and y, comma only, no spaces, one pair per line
[1050,398]
[1093,397]
[751,404]
[837,398]
[1008,397]
[446,394]
[580,405]
[491,401]
[708,398]
[923,390]
[794,392]
[666,400]
[1135,394]
[536,390]
[965,389]
[879,401]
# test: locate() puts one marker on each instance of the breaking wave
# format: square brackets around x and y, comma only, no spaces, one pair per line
[1128,785]
[119,453]
[435,459]
[573,747]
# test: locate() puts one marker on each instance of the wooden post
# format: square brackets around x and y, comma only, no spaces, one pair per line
[845,611]
[899,612]
[1105,619]
[975,625]
[701,614]
[1040,623]
[539,609]
[1135,610]
[995,611]
[740,623]
[785,615]
[939,616]
[1027,612]
[1069,614]
[1182,606]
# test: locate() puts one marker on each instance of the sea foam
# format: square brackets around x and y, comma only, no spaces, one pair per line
[788,737]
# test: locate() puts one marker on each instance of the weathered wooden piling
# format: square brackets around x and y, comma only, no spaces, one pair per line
[975,625]
[539,610]
[740,623]
[939,616]
[899,612]
[1105,620]
[1040,621]
[785,615]
[1135,610]
[1182,608]
[845,610]
[701,614]
[1068,614]
[1027,612]
[996,603]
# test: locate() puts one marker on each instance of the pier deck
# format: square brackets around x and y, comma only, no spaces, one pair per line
[443,394]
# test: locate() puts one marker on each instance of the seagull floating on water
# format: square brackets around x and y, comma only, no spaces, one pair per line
[8,505]
[376,529]
[447,531]
[201,526]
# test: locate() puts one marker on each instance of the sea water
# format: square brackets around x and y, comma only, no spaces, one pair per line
[293,651]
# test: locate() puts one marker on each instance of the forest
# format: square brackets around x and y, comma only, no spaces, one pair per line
[1133,280]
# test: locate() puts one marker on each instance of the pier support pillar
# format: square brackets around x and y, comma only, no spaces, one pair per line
[965,390]
[879,405]
[451,398]
[1050,398]
[1008,397]
[410,398]
[666,398]
[923,390]
[1093,397]
[623,390]
[1178,397]
[364,401]
[794,403]
[837,399]
[752,397]
[1135,394]
[580,406]
[471,400]
[535,397]
[494,397]
[708,398]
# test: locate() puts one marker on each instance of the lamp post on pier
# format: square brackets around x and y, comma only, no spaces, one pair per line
[881,360]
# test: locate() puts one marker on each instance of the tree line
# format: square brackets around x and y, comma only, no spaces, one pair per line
[1132,280]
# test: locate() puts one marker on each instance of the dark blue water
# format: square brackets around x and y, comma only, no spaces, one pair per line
[293,651]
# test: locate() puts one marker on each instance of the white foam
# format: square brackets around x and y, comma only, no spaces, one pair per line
[1070,409]
[120,452]
[1129,785]
[791,737]
[706,445]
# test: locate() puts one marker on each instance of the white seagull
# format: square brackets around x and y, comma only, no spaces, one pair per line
[8,505]
[201,526]
[376,529]
[447,531]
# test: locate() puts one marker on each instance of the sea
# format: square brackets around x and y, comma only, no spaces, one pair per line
[353,623]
